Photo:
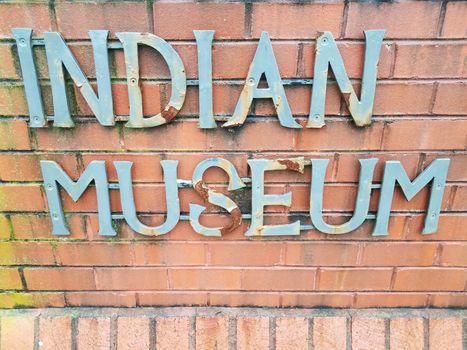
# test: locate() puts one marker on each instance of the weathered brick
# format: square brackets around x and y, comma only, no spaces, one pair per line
[406,333]
[7,65]
[321,254]
[316,299]
[24,15]
[424,134]
[454,25]
[368,333]
[133,333]
[453,254]
[14,135]
[354,279]
[279,279]
[329,333]
[55,333]
[390,254]
[123,278]
[93,333]
[296,20]
[385,299]
[122,17]
[26,253]
[412,19]
[451,98]
[226,254]
[15,300]
[5,227]
[430,61]
[226,19]
[101,299]
[171,298]
[445,333]
[430,279]
[212,333]
[292,333]
[252,333]
[59,278]
[13,198]
[172,333]
[17,332]
[238,299]
[205,278]
[105,254]
[10,279]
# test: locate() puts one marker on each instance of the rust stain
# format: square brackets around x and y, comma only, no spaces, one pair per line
[236,221]
[291,164]
[169,113]
[202,190]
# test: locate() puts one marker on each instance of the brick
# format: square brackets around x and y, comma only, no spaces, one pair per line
[278,279]
[406,333]
[59,278]
[291,333]
[368,333]
[424,134]
[121,278]
[390,254]
[133,333]
[454,25]
[375,299]
[172,333]
[172,298]
[122,17]
[169,253]
[454,254]
[26,253]
[354,279]
[248,254]
[430,279]
[15,300]
[35,16]
[329,333]
[252,333]
[391,98]
[445,333]
[10,279]
[212,333]
[205,279]
[103,254]
[321,254]
[226,19]
[411,19]
[93,333]
[5,227]
[239,299]
[316,300]
[7,66]
[14,135]
[55,333]
[451,98]
[458,203]
[280,20]
[26,167]
[17,332]
[431,61]
[89,136]
[13,198]
[448,300]
[33,226]
[10,93]
[101,299]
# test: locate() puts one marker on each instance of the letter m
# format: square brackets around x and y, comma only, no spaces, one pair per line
[436,173]
[53,174]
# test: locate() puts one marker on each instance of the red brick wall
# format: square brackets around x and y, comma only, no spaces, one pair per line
[419,114]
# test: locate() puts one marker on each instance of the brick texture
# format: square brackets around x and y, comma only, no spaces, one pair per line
[420,114]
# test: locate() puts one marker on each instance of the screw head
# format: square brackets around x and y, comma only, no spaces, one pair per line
[251,81]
